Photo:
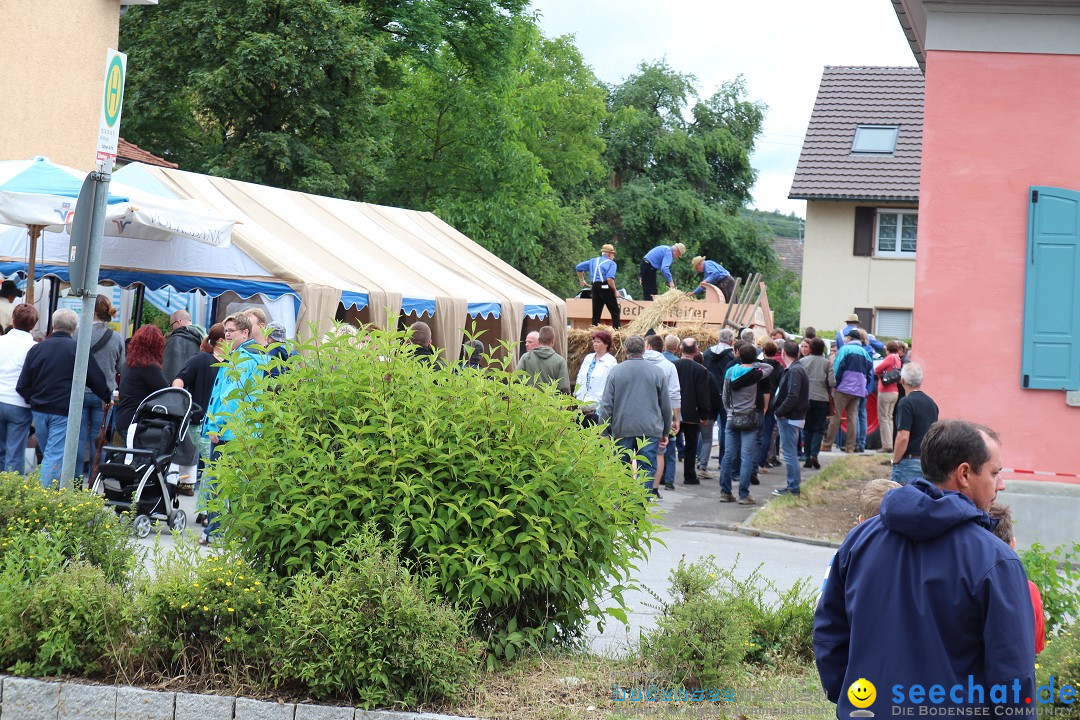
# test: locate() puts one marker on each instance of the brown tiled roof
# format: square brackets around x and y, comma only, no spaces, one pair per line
[852,96]
[133,153]
[789,251]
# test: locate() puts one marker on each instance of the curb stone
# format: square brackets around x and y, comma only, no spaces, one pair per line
[259,710]
[32,699]
[323,712]
[87,702]
[795,538]
[192,706]
[138,704]
[28,699]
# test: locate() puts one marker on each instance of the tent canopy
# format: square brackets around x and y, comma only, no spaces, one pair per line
[361,255]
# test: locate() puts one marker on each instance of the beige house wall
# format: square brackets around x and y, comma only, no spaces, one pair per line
[835,281]
[52,57]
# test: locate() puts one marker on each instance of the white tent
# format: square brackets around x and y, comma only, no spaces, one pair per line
[322,251]
[387,260]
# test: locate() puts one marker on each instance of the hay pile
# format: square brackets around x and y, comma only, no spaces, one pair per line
[579,342]
[653,316]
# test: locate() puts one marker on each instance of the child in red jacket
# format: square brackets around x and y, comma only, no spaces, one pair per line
[1004,530]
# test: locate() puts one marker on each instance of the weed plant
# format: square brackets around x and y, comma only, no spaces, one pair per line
[716,623]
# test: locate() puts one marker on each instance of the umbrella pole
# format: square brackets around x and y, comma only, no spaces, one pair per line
[35,233]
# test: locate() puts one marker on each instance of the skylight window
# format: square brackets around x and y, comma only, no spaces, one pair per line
[877,139]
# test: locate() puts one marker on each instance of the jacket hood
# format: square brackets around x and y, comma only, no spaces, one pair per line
[655,358]
[543,351]
[922,511]
[190,330]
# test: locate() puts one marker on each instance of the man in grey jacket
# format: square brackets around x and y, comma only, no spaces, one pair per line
[544,364]
[637,405]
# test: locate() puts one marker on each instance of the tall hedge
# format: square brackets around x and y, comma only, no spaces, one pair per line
[489,485]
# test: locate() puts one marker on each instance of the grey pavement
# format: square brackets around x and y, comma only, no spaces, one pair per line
[695,525]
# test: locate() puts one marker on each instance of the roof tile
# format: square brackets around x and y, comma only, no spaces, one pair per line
[852,96]
[133,153]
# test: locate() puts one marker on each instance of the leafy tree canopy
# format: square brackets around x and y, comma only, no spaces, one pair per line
[680,173]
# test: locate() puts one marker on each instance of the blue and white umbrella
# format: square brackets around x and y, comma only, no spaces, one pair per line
[41,195]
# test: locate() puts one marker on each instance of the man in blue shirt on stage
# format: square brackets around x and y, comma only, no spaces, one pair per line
[715,274]
[658,259]
[601,271]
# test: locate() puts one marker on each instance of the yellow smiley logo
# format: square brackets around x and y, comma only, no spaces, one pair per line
[862,693]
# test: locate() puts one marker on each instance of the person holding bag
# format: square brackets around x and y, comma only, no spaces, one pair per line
[107,349]
[888,375]
[744,413]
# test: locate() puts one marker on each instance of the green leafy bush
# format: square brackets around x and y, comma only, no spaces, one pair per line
[56,616]
[715,622]
[1058,665]
[490,485]
[1056,573]
[365,628]
[81,527]
[206,616]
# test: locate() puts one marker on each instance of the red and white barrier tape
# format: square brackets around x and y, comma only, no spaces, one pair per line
[1062,477]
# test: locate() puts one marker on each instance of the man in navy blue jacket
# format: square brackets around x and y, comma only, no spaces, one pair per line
[45,384]
[922,603]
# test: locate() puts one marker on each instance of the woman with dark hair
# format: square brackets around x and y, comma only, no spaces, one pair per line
[822,380]
[107,348]
[141,375]
[197,377]
[592,375]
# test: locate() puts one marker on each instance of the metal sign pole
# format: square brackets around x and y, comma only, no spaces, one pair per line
[86,237]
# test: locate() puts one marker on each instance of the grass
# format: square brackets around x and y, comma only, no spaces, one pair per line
[573,686]
[828,505]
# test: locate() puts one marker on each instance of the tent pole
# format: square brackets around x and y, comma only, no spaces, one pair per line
[35,233]
[136,313]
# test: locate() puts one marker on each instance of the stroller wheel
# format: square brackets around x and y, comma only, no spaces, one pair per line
[177,521]
[142,526]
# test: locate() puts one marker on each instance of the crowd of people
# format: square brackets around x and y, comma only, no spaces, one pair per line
[767,400]
[36,376]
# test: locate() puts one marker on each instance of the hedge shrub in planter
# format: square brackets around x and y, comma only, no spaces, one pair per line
[206,616]
[81,526]
[363,627]
[56,616]
[490,485]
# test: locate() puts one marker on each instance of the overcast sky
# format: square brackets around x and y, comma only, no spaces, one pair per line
[780,46]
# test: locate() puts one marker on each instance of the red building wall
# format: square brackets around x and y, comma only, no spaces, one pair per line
[995,123]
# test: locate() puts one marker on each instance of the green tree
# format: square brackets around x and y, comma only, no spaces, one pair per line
[679,179]
[289,92]
[510,158]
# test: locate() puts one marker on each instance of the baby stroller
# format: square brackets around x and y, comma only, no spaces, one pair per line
[137,477]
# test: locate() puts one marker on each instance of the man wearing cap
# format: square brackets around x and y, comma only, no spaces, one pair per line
[8,292]
[658,259]
[601,272]
[853,322]
[715,274]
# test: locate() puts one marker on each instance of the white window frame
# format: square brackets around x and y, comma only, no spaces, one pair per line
[898,252]
[859,146]
[877,319]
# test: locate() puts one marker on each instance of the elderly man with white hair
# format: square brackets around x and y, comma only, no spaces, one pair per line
[45,384]
[915,413]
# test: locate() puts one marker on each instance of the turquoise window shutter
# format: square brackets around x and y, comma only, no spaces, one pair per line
[1051,351]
